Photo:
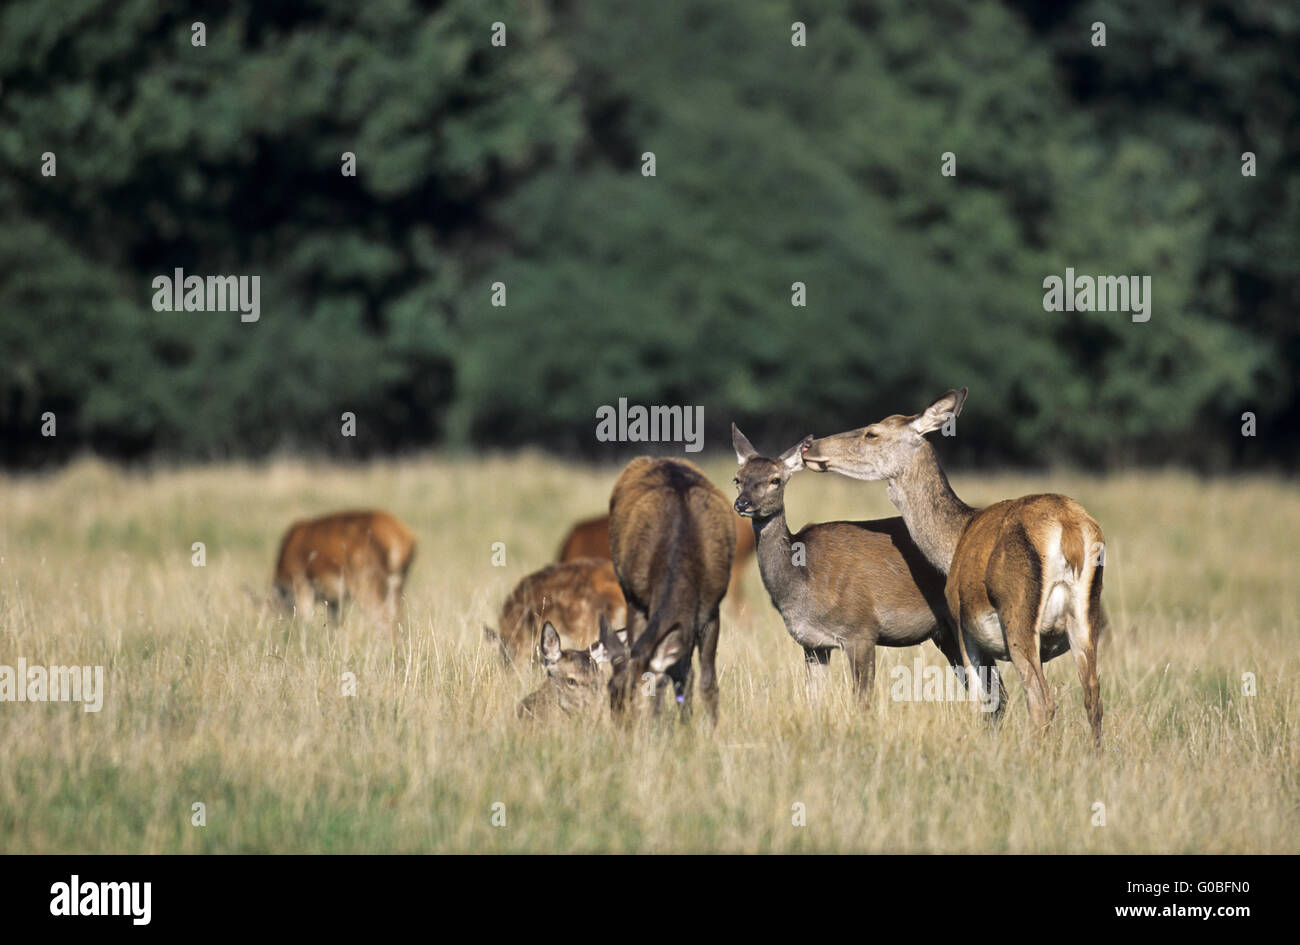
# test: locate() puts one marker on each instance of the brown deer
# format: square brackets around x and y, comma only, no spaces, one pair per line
[672,543]
[847,585]
[1024,575]
[590,539]
[573,678]
[361,555]
[573,596]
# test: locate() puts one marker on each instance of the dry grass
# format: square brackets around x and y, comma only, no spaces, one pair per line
[212,699]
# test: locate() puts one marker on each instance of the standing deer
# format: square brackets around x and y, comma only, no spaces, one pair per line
[573,677]
[362,555]
[573,596]
[847,585]
[672,543]
[1024,575]
[590,539]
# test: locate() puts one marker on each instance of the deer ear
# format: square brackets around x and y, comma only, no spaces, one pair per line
[598,653]
[669,651]
[611,641]
[744,449]
[792,459]
[937,414]
[550,644]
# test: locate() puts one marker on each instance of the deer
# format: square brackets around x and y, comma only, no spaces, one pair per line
[672,543]
[851,586]
[574,677]
[572,596]
[1024,575]
[362,555]
[590,539]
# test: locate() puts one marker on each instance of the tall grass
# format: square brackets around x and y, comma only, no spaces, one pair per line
[214,698]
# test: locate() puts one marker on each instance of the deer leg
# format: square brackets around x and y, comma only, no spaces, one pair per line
[1083,643]
[304,600]
[1019,623]
[861,654]
[708,672]
[817,661]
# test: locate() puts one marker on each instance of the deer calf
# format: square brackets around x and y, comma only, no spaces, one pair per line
[572,596]
[1023,575]
[573,678]
[840,585]
[590,539]
[359,555]
[672,542]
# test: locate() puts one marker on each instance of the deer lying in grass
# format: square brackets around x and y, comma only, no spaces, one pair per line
[573,596]
[1023,575]
[590,539]
[573,678]
[847,585]
[359,555]
[672,542]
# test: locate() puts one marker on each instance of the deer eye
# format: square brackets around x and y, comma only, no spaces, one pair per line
[571,682]
[776,480]
[869,435]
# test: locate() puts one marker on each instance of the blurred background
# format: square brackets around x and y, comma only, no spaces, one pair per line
[774,164]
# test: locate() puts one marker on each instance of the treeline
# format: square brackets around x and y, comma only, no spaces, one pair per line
[524,164]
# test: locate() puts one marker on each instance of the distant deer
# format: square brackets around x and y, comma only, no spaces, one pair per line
[361,555]
[847,585]
[573,596]
[1024,575]
[590,539]
[574,678]
[672,543]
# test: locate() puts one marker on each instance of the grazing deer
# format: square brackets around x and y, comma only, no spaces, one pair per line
[847,585]
[361,555]
[590,539]
[1024,575]
[573,678]
[573,596]
[672,543]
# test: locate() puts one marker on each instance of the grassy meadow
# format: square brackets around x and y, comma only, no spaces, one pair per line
[213,698]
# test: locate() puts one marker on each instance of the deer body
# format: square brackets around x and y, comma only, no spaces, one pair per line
[840,585]
[672,541]
[573,596]
[590,539]
[1024,576]
[362,555]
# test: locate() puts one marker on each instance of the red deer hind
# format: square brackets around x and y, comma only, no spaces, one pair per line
[672,541]
[1023,575]
[359,555]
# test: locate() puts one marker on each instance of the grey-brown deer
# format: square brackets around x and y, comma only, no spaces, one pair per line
[840,585]
[672,541]
[574,678]
[1023,575]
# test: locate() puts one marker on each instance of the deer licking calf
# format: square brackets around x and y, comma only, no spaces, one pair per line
[847,585]
[1024,575]
[672,542]
[361,555]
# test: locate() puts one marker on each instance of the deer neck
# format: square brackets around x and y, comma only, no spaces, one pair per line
[773,540]
[934,516]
